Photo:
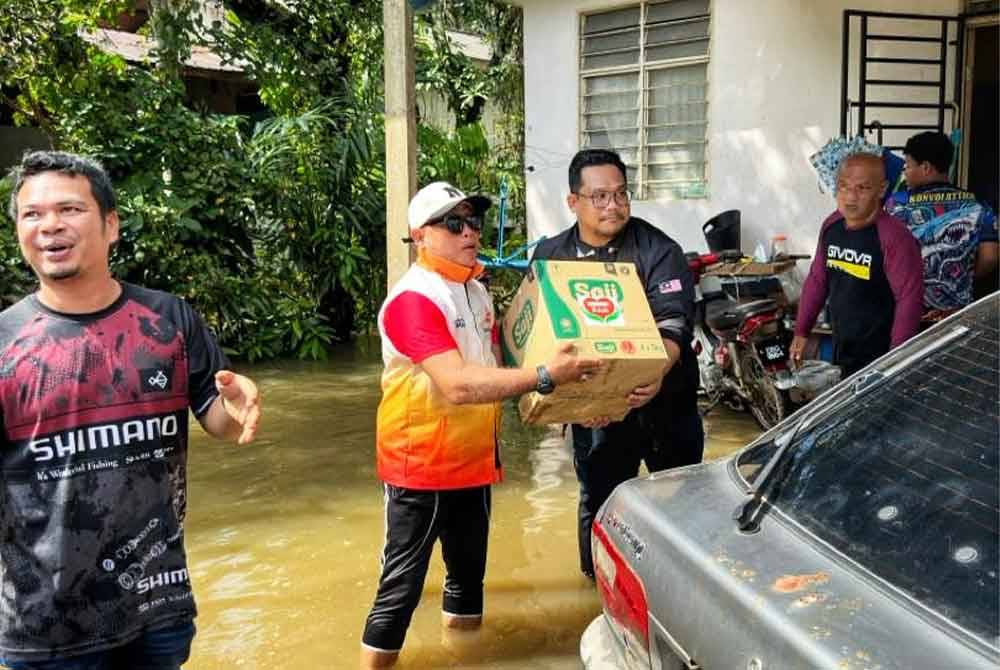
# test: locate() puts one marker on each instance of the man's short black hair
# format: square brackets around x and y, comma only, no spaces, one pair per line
[38,162]
[933,147]
[589,158]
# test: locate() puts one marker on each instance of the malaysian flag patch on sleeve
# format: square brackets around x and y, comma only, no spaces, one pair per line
[672,286]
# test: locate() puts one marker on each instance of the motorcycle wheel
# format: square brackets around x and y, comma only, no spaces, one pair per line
[734,403]
[768,404]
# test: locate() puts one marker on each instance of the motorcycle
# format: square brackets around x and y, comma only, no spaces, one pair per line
[742,347]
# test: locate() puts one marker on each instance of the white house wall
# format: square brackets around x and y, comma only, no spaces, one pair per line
[774,99]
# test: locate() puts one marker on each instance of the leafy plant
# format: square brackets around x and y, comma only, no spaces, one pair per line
[15,277]
[321,196]
[274,229]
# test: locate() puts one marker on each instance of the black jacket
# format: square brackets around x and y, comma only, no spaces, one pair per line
[664,272]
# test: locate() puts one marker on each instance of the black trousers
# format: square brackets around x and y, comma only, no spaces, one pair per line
[415,520]
[663,437]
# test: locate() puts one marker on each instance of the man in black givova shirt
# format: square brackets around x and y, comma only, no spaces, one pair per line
[96,379]
[664,428]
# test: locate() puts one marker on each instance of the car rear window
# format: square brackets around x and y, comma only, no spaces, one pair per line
[904,478]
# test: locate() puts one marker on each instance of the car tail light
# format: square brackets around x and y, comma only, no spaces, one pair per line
[623,595]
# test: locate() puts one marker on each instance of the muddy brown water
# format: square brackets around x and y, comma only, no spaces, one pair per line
[283,535]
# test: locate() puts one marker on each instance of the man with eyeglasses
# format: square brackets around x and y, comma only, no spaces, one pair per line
[439,420]
[868,266]
[663,428]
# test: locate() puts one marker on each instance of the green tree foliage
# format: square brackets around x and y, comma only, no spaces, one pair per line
[301,53]
[321,202]
[184,185]
[467,86]
[15,278]
[274,229]
[465,156]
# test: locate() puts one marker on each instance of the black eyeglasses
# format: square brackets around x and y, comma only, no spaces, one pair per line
[456,224]
[602,198]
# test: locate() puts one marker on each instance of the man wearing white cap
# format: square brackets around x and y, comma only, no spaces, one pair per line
[439,419]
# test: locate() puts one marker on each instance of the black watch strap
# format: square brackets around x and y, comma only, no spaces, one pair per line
[545,385]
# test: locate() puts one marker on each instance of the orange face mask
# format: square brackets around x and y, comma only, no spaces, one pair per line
[450,271]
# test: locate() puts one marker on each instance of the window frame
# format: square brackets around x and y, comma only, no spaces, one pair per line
[643,68]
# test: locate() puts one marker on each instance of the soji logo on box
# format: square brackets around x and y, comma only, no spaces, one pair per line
[600,300]
[522,325]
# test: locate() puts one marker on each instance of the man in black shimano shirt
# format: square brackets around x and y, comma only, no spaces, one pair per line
[664,428]
[96,380]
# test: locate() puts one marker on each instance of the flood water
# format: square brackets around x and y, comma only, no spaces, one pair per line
[284,535]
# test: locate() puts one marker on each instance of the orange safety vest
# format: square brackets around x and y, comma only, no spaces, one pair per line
[422,440]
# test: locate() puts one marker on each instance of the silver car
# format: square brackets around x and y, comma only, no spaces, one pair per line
[860,533]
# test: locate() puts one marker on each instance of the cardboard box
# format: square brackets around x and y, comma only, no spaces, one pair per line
[753,268]
[602,309]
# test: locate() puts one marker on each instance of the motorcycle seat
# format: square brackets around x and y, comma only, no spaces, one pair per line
[728,314]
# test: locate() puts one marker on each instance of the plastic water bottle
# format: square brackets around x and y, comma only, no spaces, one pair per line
[779,248]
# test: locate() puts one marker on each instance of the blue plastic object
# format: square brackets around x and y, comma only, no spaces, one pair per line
[825,352]
[893,172]
[518,259]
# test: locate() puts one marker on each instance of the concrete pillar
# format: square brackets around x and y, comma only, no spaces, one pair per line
[400,133]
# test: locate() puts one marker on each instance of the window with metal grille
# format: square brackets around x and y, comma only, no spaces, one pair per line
[644,93]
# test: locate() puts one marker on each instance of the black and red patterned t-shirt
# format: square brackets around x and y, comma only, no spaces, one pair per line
[94,433]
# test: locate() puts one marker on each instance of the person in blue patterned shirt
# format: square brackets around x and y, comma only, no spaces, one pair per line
[957,234]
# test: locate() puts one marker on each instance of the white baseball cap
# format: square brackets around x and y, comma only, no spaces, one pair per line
[439,198]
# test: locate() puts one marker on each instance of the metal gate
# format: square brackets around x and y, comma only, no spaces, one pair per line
[900,73]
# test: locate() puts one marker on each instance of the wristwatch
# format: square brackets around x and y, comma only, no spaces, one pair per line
[545,384]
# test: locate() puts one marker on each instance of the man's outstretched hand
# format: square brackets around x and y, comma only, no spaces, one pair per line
[241,400]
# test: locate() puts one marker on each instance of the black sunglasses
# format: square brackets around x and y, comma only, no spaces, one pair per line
[456,224]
